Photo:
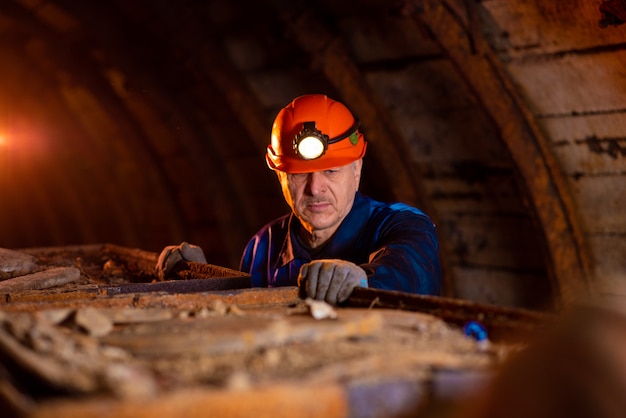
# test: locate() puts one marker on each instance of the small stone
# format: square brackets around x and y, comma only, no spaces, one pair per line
[236,311]
[93,322]
[53,316]
[14,263]
[219,307]
[129,382]
[239,380]
[320,309]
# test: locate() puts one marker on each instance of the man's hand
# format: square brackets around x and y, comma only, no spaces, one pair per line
[172,254]
[331,280]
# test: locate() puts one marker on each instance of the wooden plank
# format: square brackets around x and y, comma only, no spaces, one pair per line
[494,241]
[601,202]
[609,256]
[446,135]
[502,287]
[570,84]
[589,144]
[493,194]
[538,26]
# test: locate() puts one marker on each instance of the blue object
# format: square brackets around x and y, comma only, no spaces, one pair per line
[396,245]
[475,330]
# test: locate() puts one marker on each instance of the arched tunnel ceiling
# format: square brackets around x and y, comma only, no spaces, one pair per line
[144,123]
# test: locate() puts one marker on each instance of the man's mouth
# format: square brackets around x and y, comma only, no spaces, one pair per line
[317,206]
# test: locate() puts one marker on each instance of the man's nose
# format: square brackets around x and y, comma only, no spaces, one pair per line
[316,183]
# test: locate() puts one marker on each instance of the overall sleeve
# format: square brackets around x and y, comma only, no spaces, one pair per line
[255,261]
[262,252]
[406,255]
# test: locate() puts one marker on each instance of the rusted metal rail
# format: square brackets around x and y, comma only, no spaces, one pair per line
[501,323]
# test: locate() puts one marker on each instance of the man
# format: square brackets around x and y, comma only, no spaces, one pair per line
[334,239]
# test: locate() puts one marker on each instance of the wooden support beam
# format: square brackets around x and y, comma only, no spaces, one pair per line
[541,178]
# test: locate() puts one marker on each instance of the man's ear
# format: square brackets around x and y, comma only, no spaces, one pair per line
[357,165]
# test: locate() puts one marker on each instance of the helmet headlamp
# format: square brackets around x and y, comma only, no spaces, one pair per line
[311,143]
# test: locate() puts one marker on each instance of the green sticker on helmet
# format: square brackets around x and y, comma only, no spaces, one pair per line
[354,138]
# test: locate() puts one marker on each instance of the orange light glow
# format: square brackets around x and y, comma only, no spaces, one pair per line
[3,140]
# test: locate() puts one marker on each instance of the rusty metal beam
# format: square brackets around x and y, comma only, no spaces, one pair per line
[544,184]
[501,323]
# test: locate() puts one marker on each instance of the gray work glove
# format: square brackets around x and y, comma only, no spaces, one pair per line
[172,254]
[331,280]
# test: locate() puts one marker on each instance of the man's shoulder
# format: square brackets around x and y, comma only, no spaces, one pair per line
[389,208]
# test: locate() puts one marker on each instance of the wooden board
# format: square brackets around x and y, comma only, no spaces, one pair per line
[449,134]
[609,256]
[502,287]
[540,26]
[570,84]
[493,241]
[601,202]
[475,190]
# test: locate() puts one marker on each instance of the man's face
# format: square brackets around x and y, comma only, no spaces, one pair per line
[322,199]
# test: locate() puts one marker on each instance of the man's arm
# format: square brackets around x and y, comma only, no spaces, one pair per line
[406,257]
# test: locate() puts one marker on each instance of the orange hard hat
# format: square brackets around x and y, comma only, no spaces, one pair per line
[314,133]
